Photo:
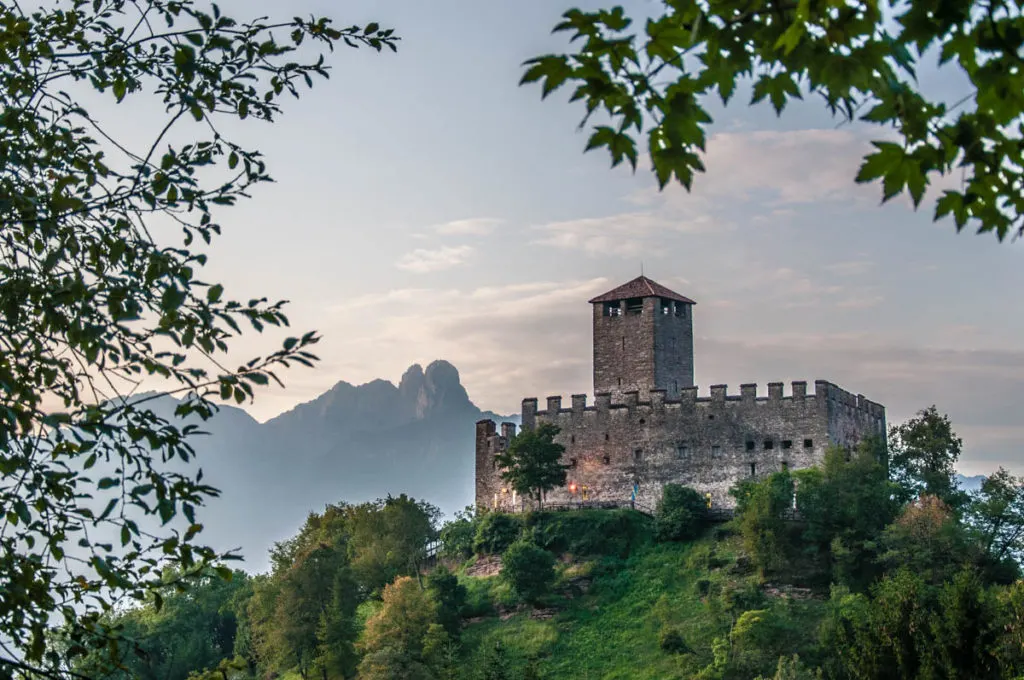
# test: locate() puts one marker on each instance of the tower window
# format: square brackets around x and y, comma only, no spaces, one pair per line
[606,436]
[643,422]
[572,439]
[750,446]
[666,306]
[768,445]
[620,382]
[572,462]
[623,347]
[634,306]
[638,454]
[787,443]
[607,460]
[683,452]
[753,469]
[785,466]
[808,443]
[680,309]
[612,309]
[716,451]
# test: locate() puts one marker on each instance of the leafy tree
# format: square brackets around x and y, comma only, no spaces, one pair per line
[532,462]
[390,663]
[760,510]
[496,664]
[681,514]
[791,668]
[996,513]
[496,532]
[338,628]
[194,629]
[440,652]
[301,605]
[844,506]
[529,570]
[97,295]
[387,538]
[861,58]
[457,535]
[910,629]
[450,597]
[928,539]
[400,625]
[922,456]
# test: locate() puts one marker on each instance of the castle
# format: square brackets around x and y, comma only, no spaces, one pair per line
[648,427]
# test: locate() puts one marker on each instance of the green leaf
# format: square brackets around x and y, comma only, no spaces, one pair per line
[554,70]
[214,293]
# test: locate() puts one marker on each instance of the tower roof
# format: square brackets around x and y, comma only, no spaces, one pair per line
[641,287]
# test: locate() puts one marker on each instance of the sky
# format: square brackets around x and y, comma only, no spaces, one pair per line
[428,207]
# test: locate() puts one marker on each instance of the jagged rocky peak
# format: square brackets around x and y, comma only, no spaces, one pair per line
[436,389]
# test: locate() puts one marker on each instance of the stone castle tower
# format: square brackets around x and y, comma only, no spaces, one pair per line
[648,427]
[643,340]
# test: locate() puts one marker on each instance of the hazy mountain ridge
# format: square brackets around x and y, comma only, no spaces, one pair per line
[352,443]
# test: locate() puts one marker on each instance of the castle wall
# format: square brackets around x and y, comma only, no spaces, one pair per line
[708,443]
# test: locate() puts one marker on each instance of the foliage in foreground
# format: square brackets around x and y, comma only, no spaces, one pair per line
[862,58]
[101,253]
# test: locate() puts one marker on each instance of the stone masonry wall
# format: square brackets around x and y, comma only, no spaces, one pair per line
[708,443]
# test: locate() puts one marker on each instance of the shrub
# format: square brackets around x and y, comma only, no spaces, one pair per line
[529,570]
[495,532]
[681,514]
[589,532]
[671,642]
[450,597]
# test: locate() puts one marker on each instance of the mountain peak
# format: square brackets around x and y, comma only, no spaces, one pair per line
[435,390]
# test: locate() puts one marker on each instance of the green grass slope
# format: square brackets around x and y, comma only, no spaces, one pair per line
[608,615]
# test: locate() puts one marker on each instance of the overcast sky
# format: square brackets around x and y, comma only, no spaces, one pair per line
[427,207]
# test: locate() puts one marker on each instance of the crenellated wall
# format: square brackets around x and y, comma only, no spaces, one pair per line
[705,442]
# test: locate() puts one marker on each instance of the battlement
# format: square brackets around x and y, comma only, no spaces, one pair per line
[824,393]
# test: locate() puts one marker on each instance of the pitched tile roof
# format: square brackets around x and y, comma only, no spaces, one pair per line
[641,287]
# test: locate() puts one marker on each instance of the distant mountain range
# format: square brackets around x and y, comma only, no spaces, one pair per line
[353,443]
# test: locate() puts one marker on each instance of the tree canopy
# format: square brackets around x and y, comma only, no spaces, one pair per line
[862,58]
[532,463]
[102,246]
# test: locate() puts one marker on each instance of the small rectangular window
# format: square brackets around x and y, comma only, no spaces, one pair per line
[750,446]
[753,469]
[572,462]
[787,443]
[785,466]
[638,454]
[612,309]
[683,452]
[716,451]
[634,306]
[768,445]
[607,460]
[808,443]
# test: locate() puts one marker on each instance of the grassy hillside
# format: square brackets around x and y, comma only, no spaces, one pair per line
[609,614]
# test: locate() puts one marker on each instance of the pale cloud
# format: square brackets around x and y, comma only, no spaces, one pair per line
[773,175]
[861,302]
[625,235]
[477,226]
[425,260]
[850,268]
